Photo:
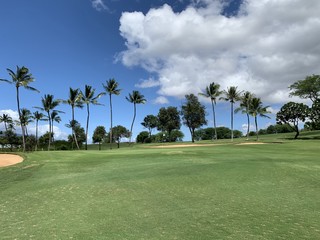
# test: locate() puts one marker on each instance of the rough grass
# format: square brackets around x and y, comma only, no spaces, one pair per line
[227,191]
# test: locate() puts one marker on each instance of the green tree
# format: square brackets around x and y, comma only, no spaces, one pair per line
[78,135]
[309,88]
[212,92]
[257,109]
[314,123]
[292,113]
[20,78]
[48,105]
[88,98]
[244,107]
[54,118]
[143,136]
[111,88]
[193,114]
[231,95]
[150,122]
[75,101]
[136,98]
[26,118]
[168,120]
[37,116]
[99,135]
[120,132]
[6,119]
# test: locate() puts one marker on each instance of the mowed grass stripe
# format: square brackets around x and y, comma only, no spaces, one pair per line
[228,191]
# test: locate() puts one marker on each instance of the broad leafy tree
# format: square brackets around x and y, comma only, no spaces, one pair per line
[232,95]
[309,88]
[120,132]
[169,120]
[150,122]
[111,88]
[6,119]
[245,103]
[212,91]
[292,113]
[136,98]
[75,101]
[99,135]
[78,134]
[88,97]
[193,114]
[257,109]
[21,78]
[314,123]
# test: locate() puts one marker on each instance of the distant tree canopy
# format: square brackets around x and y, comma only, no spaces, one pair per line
[99,135]
[222,132]
[309,88]
[292,113]
[150,122]
[169,120]
[119,132]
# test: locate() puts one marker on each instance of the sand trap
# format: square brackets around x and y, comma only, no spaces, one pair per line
[9,159]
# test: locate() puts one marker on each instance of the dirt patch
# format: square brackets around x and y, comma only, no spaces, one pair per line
[184,145]
[9,159]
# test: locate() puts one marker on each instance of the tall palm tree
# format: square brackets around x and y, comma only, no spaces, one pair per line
[89,98]
[231,95]
[111,88]
[26,118]
[257,109]
[136,98]
[6,119]
[54,118]
[48,104]
[38,116]
[74,100]
[244,107]
[212,92]
[20,78]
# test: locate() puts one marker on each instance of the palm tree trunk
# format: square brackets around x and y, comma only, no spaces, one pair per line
[134,117]
[37,140]
[214,121]
[87,126]
[5,126]
[256,123]
[22,128]
[49,120]
[110,121]
[231,121]
[73,131]
[248,129]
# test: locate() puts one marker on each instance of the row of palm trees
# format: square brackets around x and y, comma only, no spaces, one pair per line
[249,104]
[22,78]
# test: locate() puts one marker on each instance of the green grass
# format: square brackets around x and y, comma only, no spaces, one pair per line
[227,191]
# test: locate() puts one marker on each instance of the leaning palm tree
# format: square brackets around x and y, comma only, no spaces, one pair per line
[231,95]
[38,116]
[136,98]
[89,98]
[244,107]
[111,88]
[256,109]
[6,119]
[212,92]
[74,100]
[54,118]
[48,104]
[20,78]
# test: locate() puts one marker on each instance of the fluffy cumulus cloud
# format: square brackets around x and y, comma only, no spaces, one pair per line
[265,47]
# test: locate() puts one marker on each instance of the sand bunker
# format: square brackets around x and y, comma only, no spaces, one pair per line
[9,159]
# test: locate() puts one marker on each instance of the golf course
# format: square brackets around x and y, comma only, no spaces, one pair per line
[208,190]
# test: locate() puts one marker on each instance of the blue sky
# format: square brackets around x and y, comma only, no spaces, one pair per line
[164,49]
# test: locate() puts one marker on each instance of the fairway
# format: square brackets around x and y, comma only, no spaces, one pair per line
[223,191]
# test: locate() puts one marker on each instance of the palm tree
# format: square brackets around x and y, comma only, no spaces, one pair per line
[111,88]
[136,98]
[74,100]
[89,98]
[245,103]
[231,95]
[48,104]
[38,116]
[54,118]
[212,92]
[6,119]
[20,78]
[26,118]
[256,109]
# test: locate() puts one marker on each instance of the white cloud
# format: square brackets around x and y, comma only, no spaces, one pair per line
[269,45]
[161,100]
[99,5]
[148,83]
